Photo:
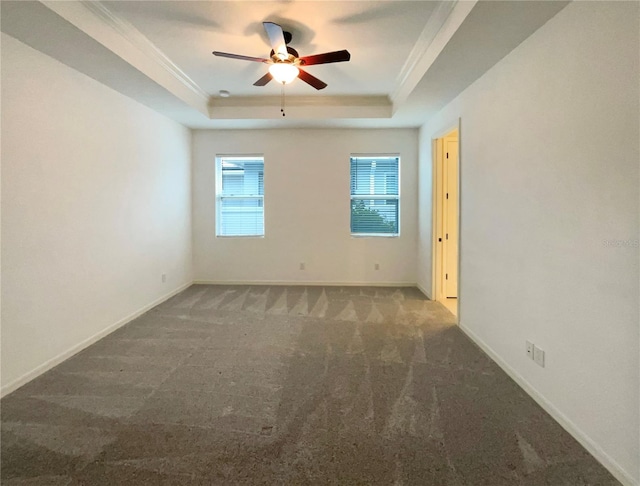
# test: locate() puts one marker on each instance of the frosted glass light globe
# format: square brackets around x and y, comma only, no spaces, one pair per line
[284,72]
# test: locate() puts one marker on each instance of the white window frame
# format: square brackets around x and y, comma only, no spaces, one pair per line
[370,197]
[219,196]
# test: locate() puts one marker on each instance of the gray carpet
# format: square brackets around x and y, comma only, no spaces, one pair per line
[286,385]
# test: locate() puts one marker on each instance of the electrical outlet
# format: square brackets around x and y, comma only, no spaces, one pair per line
[164,277]
[530,350]
[376,266]
[538,355]
[302,266]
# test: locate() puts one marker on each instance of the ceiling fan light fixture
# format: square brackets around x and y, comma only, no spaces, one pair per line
[284,60]
[284,72]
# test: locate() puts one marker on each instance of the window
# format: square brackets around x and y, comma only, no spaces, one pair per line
[375,200]
[240,196]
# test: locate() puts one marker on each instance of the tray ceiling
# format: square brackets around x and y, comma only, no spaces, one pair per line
[408,58]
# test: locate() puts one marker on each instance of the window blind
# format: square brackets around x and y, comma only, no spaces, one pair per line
[240,196]
[375,201]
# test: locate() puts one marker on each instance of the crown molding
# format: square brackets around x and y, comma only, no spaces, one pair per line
[139,40]
[431,28]
[302,101]
[442,24]
[119,36]
[300,107]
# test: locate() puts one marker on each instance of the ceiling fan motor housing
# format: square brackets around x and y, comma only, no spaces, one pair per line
[293,55]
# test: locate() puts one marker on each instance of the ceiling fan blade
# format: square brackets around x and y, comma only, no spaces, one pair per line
[276,37]
[312,80]
[326,58]
[238,56]
[263,80]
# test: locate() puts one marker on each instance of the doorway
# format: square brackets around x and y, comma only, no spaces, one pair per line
[445,218]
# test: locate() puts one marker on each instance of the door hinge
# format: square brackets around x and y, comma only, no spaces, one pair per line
[446,276]
[447,155]
[447,195]
[447,236]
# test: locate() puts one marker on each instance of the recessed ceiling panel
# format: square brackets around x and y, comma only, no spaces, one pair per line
[378,34]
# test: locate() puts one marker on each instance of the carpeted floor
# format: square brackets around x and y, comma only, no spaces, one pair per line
[286,385]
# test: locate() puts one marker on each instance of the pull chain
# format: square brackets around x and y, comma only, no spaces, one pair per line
[282,101]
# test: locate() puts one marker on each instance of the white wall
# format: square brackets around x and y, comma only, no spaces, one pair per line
[549,158]
[95,207]
[306,185]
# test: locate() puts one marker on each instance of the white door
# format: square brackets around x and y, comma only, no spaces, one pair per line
[450,217]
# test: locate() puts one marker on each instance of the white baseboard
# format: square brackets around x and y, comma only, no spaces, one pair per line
[310,283]
[424,291]
[612,466]
[47,365]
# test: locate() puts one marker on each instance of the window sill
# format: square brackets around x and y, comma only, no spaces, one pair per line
[240,236]
[375,235]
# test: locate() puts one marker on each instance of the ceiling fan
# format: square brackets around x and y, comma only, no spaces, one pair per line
[284,61]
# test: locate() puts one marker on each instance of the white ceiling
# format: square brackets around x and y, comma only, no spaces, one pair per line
[379,36]
[408,58]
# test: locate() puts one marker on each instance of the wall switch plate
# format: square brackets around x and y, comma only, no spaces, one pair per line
[164,277]
[301,265]
[538,355]
[530,350]
[376,266]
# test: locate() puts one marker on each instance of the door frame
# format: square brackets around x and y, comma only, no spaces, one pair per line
[434,235]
